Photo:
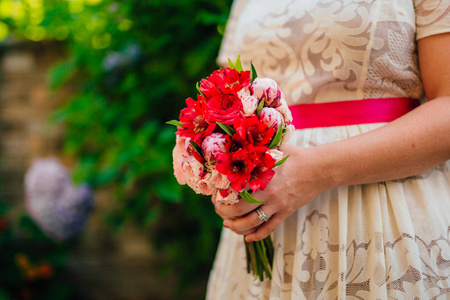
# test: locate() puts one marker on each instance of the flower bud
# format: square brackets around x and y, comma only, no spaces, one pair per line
[271,117]
[213,145]
[267,89]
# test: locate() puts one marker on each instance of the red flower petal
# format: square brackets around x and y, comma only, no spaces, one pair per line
[224,81]
[254,131]
[224,108]
[195,125]
[223,164]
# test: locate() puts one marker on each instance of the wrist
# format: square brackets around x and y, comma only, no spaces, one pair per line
[326,167]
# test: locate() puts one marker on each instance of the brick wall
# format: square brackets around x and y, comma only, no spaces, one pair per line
[105,267]
[25,106]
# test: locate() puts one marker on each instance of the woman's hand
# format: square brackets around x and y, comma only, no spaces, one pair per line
[296,182]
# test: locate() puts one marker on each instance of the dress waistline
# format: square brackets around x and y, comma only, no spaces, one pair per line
[375,110]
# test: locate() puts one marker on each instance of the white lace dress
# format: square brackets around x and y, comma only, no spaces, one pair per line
[387,240]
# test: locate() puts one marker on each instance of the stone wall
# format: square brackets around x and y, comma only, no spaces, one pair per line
[104,267]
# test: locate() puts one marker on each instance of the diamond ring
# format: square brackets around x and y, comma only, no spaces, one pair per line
[262,215]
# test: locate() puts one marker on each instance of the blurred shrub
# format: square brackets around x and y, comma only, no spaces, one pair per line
[32,264]
[131,65]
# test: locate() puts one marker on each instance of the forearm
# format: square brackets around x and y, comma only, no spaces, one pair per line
[405,147]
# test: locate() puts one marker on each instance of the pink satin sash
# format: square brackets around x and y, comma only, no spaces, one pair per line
[351,112]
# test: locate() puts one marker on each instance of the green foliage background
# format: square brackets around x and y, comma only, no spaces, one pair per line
[25,249]
[131,64]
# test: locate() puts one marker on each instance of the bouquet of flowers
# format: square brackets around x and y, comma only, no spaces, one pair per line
[228,143]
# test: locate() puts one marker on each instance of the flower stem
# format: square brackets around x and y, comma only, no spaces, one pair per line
[260,258]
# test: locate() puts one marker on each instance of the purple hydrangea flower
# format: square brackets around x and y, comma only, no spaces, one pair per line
[58,206]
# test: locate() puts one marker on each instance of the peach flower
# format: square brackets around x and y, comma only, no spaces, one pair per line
[193,169]
[232,197]
[179,153]
[219,180]
[204,186]
[249,102]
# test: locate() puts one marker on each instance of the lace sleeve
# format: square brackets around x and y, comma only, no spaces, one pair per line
[432,17]
[226,49]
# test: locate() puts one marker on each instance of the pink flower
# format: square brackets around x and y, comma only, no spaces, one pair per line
[284,110]
[213,145]
[179,153]
[249,102]
[218,180]
[204,186]
[266,88]
[193,170]
[271,117]
[227,196]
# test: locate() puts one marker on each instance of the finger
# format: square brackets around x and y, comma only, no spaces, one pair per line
[265,229]
[236,210]
[250,221]
[244,232]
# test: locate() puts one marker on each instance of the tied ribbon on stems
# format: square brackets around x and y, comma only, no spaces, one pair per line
[229,139]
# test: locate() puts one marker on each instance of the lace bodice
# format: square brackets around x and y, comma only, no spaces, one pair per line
[331,50]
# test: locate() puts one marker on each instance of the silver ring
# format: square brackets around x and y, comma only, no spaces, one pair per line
[262,215]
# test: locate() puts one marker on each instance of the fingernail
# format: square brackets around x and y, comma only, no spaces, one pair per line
[226,224]
[248,240]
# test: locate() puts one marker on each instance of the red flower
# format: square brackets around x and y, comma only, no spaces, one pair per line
[195,125]
[235,143]
[224,81]
[237,166]
[255,131]
[262,173]
[224,108]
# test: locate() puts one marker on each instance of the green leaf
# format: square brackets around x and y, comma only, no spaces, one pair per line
[248,198]
[281,161]
[175,123]
[253,74]
[197,149]
[228,129]
[197,85]
[238,64]
[277,138]
[230,64]
[260,106]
